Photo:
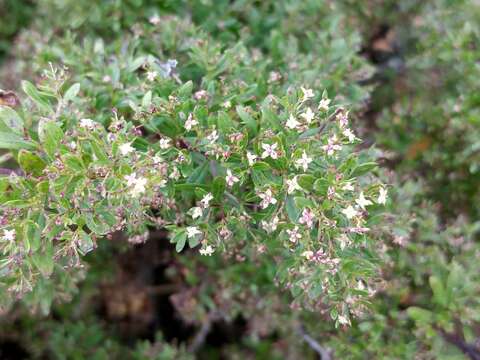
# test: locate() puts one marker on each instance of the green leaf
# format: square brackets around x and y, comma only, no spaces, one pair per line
[10,121]
[363,169]
[36,97]
[292,210]
[30,162]
[420,315]
[147,100]
[185,90]
[44,261]
[72,92]
[50,135]
[180,240]
[13,141]
[193,241]
[248,120]
[439,293]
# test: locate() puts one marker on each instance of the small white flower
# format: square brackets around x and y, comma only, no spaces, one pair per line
[308,255]
[190,123]
[307,94]
[307,218]
[157,159]
[304,161]
[251,158]
[382,197]
[139,187]
[348,187]
[332,145]
[350,212]
[126,149]
[227,104]
[308,115]
[342,118]
[164,143]
[323,104]
[292,185]
[73,145]
[270,151]
[151,75]
[230,178]
[294,235]
[292,123]
[87,123]
[175,174]
[131,179]
[362,202]
[267,199]
[271,226]
[205,202]
[207,251]
[343,320]
[193,231]
[196,212]
[213,137]
[349,134]
[154,20]
[9,235]
[137,184]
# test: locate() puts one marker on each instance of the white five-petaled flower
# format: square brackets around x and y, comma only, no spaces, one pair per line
[332,145]
[292,185]
[87,123]
[126,148]
[251,158]
[362,202]
[164,143]
[191,122]
[343,320]
[213,137]
[307,94]
[382,196]
[267,199]
[205,202]
[193,231]
[323,104]
[342,118]
[292,123]
[196,212]
[349,134]
[151,75]
[175,174]
[230,178]
[308,115]
[207,251]
[294,235]
[348,186]
[307,218]
[9,235]
[137,184]
[308,254]
[154,20]
[270,151]
[304,161]
[157,159]
[270,226]
[350,212]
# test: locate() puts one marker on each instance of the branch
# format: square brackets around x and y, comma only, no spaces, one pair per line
[319,349]
[201,335]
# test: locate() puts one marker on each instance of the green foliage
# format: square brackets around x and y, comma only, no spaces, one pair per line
[197,117]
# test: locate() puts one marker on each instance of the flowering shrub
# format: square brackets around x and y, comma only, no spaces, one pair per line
[279,178]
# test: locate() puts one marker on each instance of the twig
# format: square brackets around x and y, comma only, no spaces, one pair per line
[319,349]
[201,335]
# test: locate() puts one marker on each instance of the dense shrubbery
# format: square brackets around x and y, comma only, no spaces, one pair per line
[230,127]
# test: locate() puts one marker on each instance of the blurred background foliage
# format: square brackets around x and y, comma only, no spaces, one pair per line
[410,70]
